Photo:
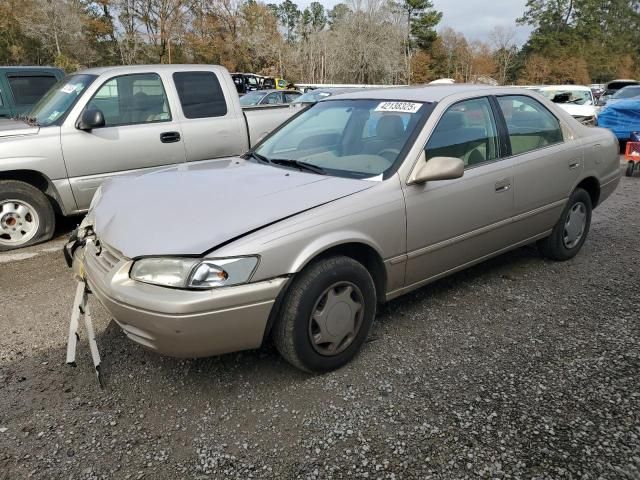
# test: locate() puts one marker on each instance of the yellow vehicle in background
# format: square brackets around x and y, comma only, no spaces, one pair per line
[276,83]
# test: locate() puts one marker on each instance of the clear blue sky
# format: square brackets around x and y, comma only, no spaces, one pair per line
[474,18]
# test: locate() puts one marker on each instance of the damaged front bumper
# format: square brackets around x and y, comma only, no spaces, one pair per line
[175,322]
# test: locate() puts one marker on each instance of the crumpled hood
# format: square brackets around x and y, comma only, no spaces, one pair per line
[190,209]
[16,128]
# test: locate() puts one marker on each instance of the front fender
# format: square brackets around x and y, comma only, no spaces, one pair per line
[328,241]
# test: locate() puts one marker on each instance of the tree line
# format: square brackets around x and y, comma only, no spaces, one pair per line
[359,41]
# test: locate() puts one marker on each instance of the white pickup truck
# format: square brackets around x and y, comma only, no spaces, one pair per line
[109,121]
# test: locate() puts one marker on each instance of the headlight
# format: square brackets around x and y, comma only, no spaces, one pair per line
[194,273]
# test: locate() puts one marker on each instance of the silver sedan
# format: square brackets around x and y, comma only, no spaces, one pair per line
[356,200]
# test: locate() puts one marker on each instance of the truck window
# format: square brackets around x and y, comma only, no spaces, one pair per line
[132,99]
[200,94]
[28,89]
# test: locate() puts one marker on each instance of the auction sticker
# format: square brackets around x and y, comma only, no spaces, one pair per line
[402,107]
[70,88]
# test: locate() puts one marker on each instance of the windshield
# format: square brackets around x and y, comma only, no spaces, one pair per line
[250,99]
[627,92]
[577,97]
[353,138]
[59,99]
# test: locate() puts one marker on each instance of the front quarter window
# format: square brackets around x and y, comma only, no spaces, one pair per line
[353,138]
[59,99]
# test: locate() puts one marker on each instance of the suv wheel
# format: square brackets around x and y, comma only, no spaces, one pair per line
[26,215]
[326,315]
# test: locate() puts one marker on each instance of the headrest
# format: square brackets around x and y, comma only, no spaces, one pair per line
[390,127]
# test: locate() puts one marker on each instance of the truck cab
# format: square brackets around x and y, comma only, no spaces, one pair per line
[22,87]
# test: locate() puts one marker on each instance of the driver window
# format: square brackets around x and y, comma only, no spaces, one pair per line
[467,131]
[132,99]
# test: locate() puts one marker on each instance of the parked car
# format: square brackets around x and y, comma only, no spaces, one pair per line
[576,100]
[324,218]
[113,121]
[612,87]
[271,83]
[22,87]
[625,93]
[622,117]
[246,82]
[313,96]
[269,97]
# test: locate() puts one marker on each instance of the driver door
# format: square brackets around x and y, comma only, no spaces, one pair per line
[451,223]
[140,132]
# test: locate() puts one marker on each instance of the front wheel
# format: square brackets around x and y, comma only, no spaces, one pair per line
[26,215]
[570,233]
[630,168]
[326,315]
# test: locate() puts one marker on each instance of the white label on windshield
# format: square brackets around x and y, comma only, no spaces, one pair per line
[70,88]
[402,107]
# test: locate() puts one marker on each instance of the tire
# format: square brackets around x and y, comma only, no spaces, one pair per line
[300,338]
[630,168]
[564,243]
[26,215]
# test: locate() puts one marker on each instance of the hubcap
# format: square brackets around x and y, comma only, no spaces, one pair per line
[18,222]
[336,318]
[574,225]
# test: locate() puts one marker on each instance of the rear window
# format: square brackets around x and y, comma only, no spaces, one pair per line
[200,94]
[28,89]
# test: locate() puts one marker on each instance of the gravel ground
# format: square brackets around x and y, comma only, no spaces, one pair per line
[517,368]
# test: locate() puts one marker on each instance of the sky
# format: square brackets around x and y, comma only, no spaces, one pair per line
[474,18]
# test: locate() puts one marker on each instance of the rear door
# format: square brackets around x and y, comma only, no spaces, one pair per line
[545,165]
[141,132]
[211,126]
[451,223]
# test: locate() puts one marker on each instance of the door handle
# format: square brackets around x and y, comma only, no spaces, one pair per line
[503,186]
[170,137]
[574,164]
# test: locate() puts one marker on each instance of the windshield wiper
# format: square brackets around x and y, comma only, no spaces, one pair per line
[286,162]
[257,156]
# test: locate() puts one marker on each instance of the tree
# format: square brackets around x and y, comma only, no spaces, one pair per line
[421,21]
[337,13]
[58,26]
[289,14]
[505,51]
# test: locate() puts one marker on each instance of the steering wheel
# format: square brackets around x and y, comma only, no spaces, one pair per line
[392,152]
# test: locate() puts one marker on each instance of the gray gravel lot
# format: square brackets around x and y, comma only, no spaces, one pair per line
[517,368]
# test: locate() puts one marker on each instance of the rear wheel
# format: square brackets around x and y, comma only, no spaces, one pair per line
[26,215]
[326,315]
[570,233]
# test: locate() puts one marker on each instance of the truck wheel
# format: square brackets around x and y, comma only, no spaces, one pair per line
[630,168]
[570,233]
[26,215]
[326,315]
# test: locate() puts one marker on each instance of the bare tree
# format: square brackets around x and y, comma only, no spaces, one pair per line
[58,25]
[503,42]
[164,22]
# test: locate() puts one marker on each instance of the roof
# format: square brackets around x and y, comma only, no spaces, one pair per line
[30,67]
[576,88]
[146,68]
[424,93]
[271,90]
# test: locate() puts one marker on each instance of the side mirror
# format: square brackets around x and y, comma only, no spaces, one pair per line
[90,119]
[437,168]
